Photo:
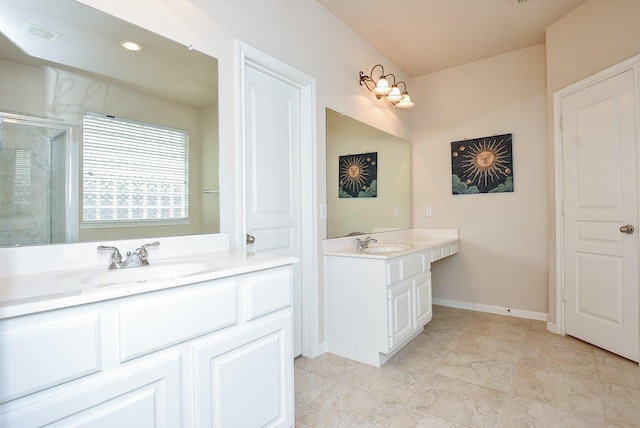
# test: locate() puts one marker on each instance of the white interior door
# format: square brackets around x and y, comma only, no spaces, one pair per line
[599,153]
[272,175]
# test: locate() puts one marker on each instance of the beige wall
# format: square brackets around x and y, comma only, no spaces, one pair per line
[593,37]
[502,260]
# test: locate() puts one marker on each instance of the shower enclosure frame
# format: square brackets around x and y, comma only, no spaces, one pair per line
[72,161]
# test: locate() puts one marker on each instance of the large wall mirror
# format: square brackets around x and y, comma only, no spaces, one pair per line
[368,178]
[154,111]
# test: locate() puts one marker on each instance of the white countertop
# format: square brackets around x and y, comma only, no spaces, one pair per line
[415,240]
[42,290]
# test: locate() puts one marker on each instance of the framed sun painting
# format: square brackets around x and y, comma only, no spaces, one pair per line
[358,176]
[482,165]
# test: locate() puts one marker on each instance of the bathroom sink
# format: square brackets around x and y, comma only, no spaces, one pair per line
[385,249]
[151,272]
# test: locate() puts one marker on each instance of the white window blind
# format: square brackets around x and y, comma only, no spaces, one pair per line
[133,171]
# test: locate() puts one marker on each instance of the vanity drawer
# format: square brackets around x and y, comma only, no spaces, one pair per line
[159,322]
[411,265]
[268,292]
[404,267]
[436,254]
[47,353]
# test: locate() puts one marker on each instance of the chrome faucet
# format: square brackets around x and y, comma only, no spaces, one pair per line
[135,259]
[361,244]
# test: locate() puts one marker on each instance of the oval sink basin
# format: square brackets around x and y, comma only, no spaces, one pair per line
[166,270]
[384,249]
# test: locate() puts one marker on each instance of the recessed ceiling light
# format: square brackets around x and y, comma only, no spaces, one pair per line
[131,45]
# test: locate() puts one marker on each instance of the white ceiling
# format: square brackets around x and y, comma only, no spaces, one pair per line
[423,36]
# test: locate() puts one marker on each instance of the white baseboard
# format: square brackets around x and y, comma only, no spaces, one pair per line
[552,327]
[540,316]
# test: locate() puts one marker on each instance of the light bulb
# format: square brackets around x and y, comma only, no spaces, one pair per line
[405,102]
[382,87]
[395,95]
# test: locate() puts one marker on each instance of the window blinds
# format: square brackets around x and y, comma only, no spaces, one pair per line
[133,171]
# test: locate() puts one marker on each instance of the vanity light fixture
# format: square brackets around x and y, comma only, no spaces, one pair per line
[130,45]
[382,88]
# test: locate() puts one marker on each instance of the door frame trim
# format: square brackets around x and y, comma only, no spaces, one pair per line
[249,56]
[632,64]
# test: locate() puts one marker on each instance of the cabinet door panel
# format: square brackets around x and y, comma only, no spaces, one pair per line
[401,312]
[423,299]
[246,380]
[144,395]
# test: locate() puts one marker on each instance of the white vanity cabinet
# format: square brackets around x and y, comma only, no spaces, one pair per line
[216,353]
[377,304]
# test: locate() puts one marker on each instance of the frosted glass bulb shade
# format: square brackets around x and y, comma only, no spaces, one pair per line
[382,87]
[405,102]
[395,95]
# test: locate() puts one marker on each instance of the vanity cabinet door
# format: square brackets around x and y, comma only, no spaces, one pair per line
[145,394]
[401,312]
[423,299]
[246,379]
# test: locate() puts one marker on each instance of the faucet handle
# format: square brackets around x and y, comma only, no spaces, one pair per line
[116,253]
[142,251]
[152,244]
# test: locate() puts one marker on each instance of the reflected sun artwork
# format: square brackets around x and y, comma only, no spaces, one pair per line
[358,175]
[482,165]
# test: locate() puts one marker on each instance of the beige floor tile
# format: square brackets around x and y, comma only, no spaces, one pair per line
[415,418]
[622,404]
[516,333]
[490,347]
[538,325]
[397,382]
[558,389]
[575,362]
[477,370]
[503,319]
[519,412]
[440,312]
[424,352]
[546,339]
[618,371]
[345,406]
[328,365]
[459,402]
[309,386]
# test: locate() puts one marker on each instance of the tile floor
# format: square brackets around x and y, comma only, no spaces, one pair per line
[472,369]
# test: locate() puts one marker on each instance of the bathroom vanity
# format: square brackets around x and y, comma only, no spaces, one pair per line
[205,340]
[380,298]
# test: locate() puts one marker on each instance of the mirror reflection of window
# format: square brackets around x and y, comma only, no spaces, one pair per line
[133,171]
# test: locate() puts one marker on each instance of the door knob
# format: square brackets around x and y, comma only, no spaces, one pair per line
[251,239]
[627,228]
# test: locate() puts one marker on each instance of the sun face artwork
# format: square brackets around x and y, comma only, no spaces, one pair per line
[482,165]
[358,176]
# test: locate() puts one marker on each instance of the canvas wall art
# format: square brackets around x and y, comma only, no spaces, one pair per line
[358,176]
[482,165]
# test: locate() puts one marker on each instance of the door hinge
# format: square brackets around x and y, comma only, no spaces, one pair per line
[560,123]
[564,295]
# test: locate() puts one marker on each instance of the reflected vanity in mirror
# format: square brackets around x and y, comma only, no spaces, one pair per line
[62,64]
[390,208]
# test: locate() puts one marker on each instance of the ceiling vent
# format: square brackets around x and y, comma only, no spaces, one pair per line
[43,33]
[517,2]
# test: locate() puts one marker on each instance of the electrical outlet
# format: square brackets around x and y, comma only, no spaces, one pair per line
[396,212]
[428,212]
